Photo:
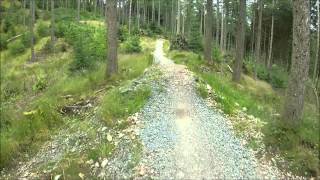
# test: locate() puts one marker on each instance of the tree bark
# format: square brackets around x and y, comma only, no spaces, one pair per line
[159,13]
[317,60]
[218,24]
[269,63]
[112,35]
[52,26]
[222,29]
[138,14]
[130,11]
[32,12]
[240,42]
[258,41]
[253,29]
[153,12]
[294,102]
[78,10]
[208,32]
[178,18]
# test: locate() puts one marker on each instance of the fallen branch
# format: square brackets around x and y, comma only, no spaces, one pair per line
[13,38]
[230,69]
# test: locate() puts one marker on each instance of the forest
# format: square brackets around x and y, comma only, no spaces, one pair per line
[159,89]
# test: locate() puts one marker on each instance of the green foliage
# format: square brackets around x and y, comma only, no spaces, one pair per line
[3,41]
[195,40]
[132,45]
[16,47]
[42,29]
[117,104]
[40,84]
[276,75]
[217,55]
[123,33]
[26,39]
[202,90]
[89,44]
[102,151]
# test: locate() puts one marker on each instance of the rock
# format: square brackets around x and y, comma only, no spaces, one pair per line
[104,162]
[109,137]
[81,175]
[57,177]
[142,171]
[90,162]
[96,165]
[244,109]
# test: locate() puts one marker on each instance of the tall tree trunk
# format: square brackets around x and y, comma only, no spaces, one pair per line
[222,29]
[78,10]
[208,32]
[94,7]
[112,35]
[24,13]
[52,26]
[240,42]
[269,63]
[178,18]
[32,13]
[130,10]
[258,42]
[173,25]
[253,28]
[294,102]
[159,13]
[153,12]
[138,14]
[218,23]
[317,60]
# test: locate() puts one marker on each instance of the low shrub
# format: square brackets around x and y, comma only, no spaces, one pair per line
[117,104]
[43,29]
[123,33]
[3,41]
[89,44]
[26,39]
[217,55]
[132,45]
[16,47]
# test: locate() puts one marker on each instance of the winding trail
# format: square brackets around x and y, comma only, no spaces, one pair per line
[184,138]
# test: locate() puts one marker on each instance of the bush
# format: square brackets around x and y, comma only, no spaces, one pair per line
[26,39]
[217,55]
[278,77]
[123,33]
[16,47]
[43,29]
[132,45]
[3,41]
[88,42]
[262,72]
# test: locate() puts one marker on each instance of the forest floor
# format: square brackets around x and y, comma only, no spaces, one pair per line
[177,134]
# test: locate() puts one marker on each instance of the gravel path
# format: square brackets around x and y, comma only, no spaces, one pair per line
[183,138]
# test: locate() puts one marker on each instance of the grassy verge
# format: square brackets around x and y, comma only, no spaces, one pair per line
[299,147]
[33,94]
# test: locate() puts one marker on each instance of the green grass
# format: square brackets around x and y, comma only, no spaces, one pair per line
[20,133]
[117,105]
[299,147]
